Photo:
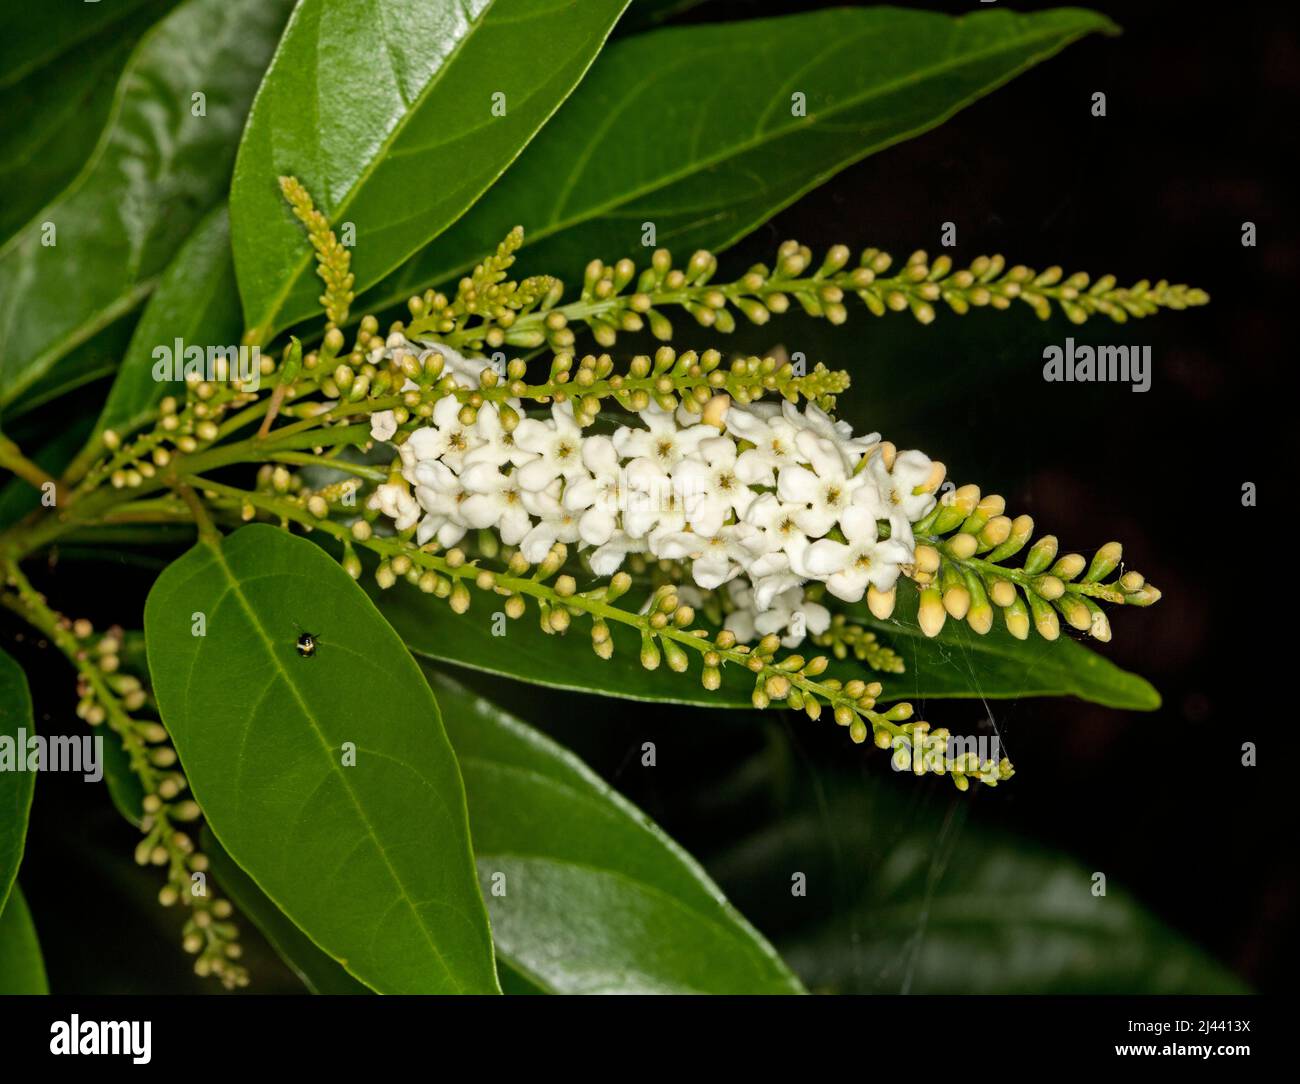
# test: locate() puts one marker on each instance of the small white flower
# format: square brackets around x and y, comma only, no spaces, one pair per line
[651,505]
[395,500]
[663,442]
[714,559]
[447,531]
[840,433]
[605,560]
[791,616]
[740,623]
[440,493]
[865,560]
[598,498]
[709,487]
[768,586]
[498,447]
[557,444]
[383,425]
[911,470]
[496,500]
[555,524]
[824,493]
[447,439]
[779,523]
[773,438]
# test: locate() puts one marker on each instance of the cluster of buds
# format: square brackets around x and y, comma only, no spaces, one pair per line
[184,426]
[845,637]
[107,695]
[426,371]
[488,312]
[961,566]
[921,750]
[500,312]
[989,282]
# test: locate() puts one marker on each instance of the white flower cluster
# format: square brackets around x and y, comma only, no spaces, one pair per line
[770,497]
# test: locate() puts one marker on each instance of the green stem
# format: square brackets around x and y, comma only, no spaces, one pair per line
[31,535]
[30,605]
[12,458]
[306,459]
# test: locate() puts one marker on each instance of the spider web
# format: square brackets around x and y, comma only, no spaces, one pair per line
[945,842]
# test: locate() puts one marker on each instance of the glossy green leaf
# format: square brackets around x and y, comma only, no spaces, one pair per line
[693,129]
[55,98]
[16,787]
[957,663]
[912,897]
[156,169]
[370,859]
[598,898]
[384,109]
[96,358]
[196,302]
[321,974]
[587,894]
[22,970]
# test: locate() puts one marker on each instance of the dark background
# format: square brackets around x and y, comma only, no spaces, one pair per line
[1199,137]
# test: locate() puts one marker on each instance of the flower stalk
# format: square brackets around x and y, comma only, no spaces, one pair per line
[108,697]
[618,298]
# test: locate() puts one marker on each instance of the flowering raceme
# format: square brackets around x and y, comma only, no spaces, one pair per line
[770,496]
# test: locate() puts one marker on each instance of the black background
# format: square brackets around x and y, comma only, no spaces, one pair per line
[1198,138]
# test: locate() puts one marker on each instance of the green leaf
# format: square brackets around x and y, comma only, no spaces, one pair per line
[372,860]
[577,856]
[53,105]
[33,36]
[94,359]
[196,302]
[156,169]
[597,898]
[914,897]
[22,970]
[384,110]
[321,974]
[644,15]
[16,787]
[957,663]
[691,129]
